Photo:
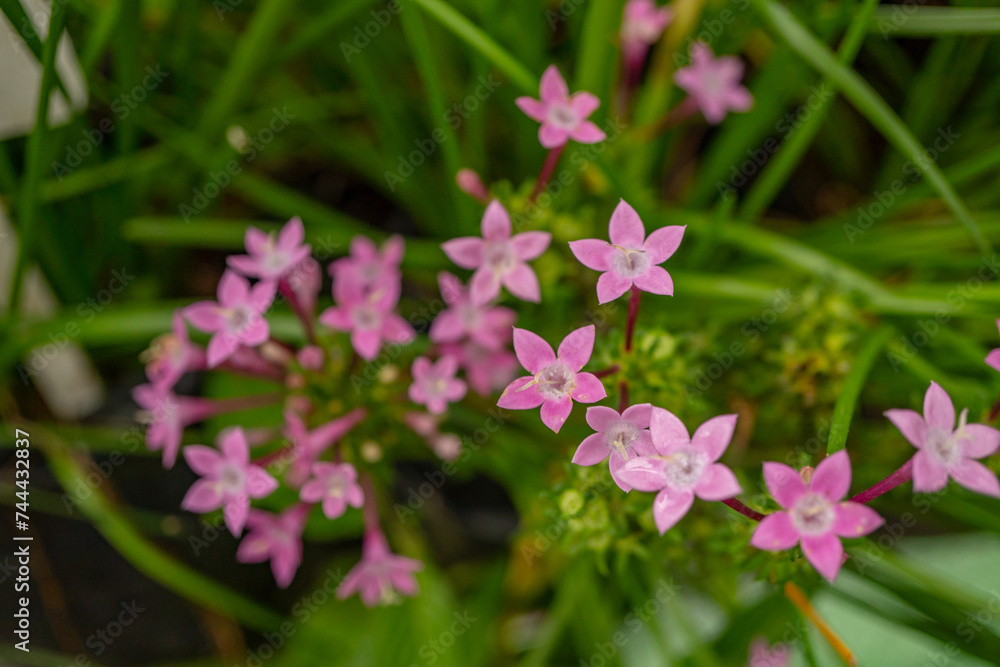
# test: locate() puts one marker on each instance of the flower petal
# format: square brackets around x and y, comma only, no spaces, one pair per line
[593,253]
[639,414]
[466,251]
[203,460]
[522,282]
[234,289]
[591,451]
[784,483]
[663,242]
[533,109]
[980,440]
[205,315]
[974,476]
[667,430]
[588,389]
[532,350]
[714,435]
[993,358]
[717,483]
[855,519]
[939,411]
[625,228]
[670,506]
[910,423]
[555,411]
[655,280]
[611,285]
[583,103]
[577,347]
[825,552]
[587,133]
[928,474]
[601,418]
[529,245]
[642,473]
[203,496]
[832,476]
[517,397]
[550,136]
[496,222]
[484,286]
[776,532]
[553,87]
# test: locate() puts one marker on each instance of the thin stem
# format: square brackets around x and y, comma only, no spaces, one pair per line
[901,476]
[799,599]
[674,117]
[223,405]
[370,507]
[995,411]
[622,396]
[633,314]
[743,509]
[293,301]
[551,160]
[605,372]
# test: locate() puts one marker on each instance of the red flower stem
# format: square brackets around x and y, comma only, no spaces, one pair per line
[633,314]
[551,160]
[995,411]
[622,396]
[293,301]
[680,113]
[223,405]
[901,476]
[743,509]
[605,372]
[370,507]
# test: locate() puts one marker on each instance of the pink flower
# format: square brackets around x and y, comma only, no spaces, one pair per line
[487,371]
[172,355]
[435,385]
[622,437]
[369,266]
[237,319]
[470,183]
[311,357]
[683,466]
[714,83]
[556,381]
[304,281]
[490,327]
[763,654]
[563,116]
[381,575]
[336,486]
[642,24]
[499,258]
[168,415]
[308,445]
[815,513]
[368,315]
[631,258]
[272,256]
[447,446]
[945,451]
[277,537]
[228,479]
[993,358]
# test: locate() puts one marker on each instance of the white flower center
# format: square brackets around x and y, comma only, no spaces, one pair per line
[629,262]
[470,315]
[366,317]
[499,256]
[232,478]
[620,437]
[555,380]
[813,514]
[238,318]
[562,116]
[685,467]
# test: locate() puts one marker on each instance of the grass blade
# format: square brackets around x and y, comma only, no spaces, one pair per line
[844,410]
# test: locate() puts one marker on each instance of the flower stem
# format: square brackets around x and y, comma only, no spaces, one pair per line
[799,599]
[220,406]
[370,507]
[743,509]
[622,396]
[633,314]
[901,476]
[674,117]
[605,372]
[995,411]
[551,160]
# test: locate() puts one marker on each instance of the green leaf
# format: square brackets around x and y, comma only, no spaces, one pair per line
[911,21]
[843,411]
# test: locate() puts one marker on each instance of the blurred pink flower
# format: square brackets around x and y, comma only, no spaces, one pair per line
[228,479]
[368,315]
[619,438]
[172,355]
[683,466]
[714,83]
[272,256]
[308,446]
[381,576]
[642,24]
[993,358]
[946,451]
[556,380]
[488,326]
[238,318]
[435,384]
[446,446]
[631,258]
[763,654]
[369,266]
[815,513]
[470,183]
[305,281]
[277,537]
[310,357]
[336,486]
[167,416]
[563,116]
[487,371]
[499,258]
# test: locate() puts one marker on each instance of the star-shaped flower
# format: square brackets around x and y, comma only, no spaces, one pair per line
[642,24]
[435,384]
[556,379]
[714,83]
[946,451]
[488,326]
[631,258]
[368,265]
[815,513]
[236,319]
[277,537]
[309,445]
[272,256]
[368,315]
[619,438]
[336,486]
[172,355]
[563,116]
[381,576]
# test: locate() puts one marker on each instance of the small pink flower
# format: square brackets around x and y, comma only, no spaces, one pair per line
[168,415]
[945,451]
[381,576]
[714,83]
[228,479]
[368,315]
[172,355]
[308,445]
[470,183]
[435,385]
[683,466]
[563,116]
[763,654]
[993,358]
[487,371]
[446,446]
[272,256]
[369,266]
[490,327]
[336,486]
[499,258]
[310,357]
[277,537]
[556,381]
[642,24]
[631,258]
[305,281]
[238,317]
[815,513]
[621,437]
